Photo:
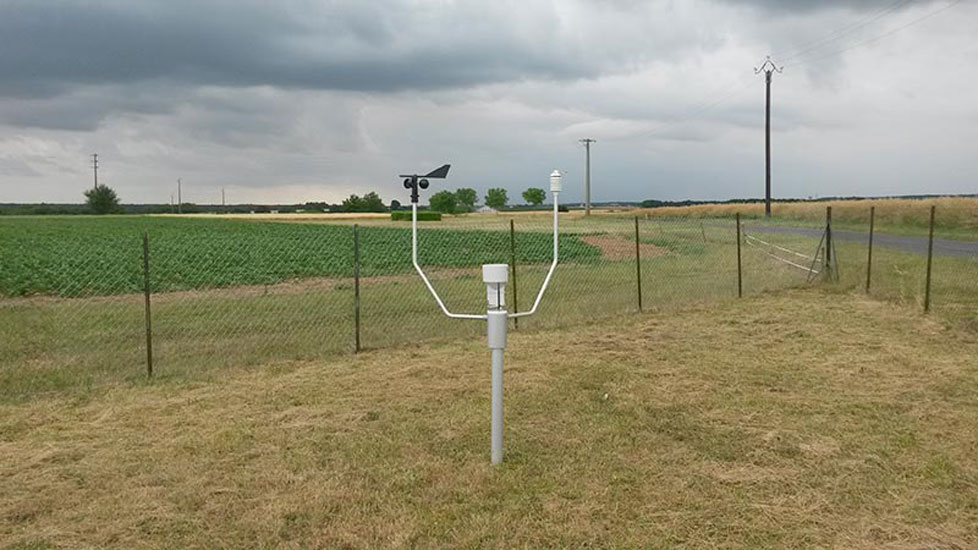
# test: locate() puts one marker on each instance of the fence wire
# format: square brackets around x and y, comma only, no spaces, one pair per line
[235,292]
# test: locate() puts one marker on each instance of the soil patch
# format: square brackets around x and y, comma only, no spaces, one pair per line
[615,247]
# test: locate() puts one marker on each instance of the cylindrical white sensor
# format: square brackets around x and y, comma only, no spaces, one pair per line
[555,181]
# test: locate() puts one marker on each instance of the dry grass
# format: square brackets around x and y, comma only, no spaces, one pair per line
[796,420]
[954,212]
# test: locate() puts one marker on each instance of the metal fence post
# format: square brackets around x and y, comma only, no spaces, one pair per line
[740,274]
[149,318]
[512,263]
[869,260]
[828,237]
[930,257]
[356,287]
[828,242]
[638,266]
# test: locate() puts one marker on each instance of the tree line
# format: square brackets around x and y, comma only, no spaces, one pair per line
[104,200]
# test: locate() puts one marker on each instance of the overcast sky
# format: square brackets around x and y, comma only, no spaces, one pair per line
[302,100]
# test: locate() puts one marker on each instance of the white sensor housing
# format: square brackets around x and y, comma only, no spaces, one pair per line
[555,181]
[495,276]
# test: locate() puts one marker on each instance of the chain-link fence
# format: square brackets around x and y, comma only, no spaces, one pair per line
[912,258]
[84,300]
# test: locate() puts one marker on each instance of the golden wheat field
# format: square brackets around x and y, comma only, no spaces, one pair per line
[954,213]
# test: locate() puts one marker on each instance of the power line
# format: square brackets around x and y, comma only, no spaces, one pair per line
[733,88]
[862,23]
[879,37]
[842,32]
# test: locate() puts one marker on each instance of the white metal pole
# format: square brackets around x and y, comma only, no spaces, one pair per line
[497,406]
[555,188]
[417,267]
[495,276]
[497,318]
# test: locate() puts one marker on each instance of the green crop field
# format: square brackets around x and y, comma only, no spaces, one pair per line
[84,256]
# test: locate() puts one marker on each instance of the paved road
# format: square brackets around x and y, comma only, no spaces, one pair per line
[918,245]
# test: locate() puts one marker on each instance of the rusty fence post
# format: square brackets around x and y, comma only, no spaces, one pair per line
[356,288]
[740,273]
[638,265]
[828,242]
[930,258]
[869,260]
[512,263]
[149,317]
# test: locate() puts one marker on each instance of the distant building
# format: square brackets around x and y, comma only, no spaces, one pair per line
[486,209]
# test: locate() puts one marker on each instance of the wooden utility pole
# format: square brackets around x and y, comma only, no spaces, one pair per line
[587,175]
[768,68]
[179,196]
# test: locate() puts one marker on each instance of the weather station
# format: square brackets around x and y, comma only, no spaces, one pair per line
[495,277]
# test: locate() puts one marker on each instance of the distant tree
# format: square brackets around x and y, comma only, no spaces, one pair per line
[102,200]
[466,198]
[534,196]
[352,204]
[372,202]
[395,205]
[444,201]
[496,198]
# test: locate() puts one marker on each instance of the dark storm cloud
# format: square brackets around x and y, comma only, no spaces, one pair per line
[48,48]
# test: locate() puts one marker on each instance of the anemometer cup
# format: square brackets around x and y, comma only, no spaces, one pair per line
[415,181]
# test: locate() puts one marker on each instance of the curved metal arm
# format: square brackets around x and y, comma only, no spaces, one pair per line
[550,273]
[414,259]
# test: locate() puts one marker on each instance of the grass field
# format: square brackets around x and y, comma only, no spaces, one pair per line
[957,217]
[794,420]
